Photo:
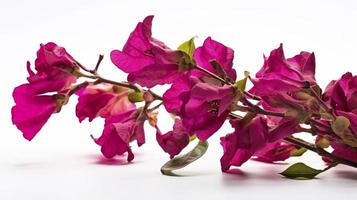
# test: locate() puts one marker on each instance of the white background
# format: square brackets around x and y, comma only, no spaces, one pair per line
[63,163]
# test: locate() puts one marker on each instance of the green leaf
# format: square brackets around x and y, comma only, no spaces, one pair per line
[180,162]
[241,84]
[193,137]
[188,47]
[300,171]
[298,152]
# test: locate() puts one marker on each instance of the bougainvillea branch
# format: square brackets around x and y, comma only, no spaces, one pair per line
[204,92]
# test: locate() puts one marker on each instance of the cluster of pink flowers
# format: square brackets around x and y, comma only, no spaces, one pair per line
[204,92]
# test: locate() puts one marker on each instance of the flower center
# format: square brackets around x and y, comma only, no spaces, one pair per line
[214,107]
[149,52]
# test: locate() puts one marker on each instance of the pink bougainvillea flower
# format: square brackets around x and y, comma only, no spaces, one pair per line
[213,50]
[295,112]
[123,122]
[242,144]
[119,131]
[280,83]
[32,111]
[55,80]
[173,141]
[284,75]
[344,151]
[342,96]
[275,151]
[298,68]
[259,138]
[148,61]
[202,107]
[51,56]
[102,100]
[54,69]
[207,109]
[54,74]
[175,98]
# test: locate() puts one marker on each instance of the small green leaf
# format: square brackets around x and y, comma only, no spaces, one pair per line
[241,84]
[298,152]
[193,137]
[188,47]
[181,161]
[136,97]
[300,171]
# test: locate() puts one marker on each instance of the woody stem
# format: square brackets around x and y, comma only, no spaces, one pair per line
[319,151]
[212,74]
[99,79]
[317,96]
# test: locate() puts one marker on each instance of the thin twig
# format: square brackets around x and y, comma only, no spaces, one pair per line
[212,74]
[82,67]
[98,63]
[155,107]
[235,116]
[317,123]
[127,85]
[252,96]
[77,87]
[100,79]
[317,96]
[319,151]
[258,110]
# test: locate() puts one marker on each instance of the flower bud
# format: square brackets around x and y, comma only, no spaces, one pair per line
[136,97]
[322,142]
[340,124]
[148,97]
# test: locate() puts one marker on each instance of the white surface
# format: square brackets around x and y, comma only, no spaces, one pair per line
[63,163]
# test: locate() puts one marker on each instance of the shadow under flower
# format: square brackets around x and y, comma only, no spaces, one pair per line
[117,161]
[347,174]
[270,163]
[238,175]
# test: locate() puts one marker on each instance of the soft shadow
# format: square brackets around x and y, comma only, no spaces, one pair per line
[236,176]
[271,163]
[100,160]
[26,164]
[113,161]
[352,175]
[237,172]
